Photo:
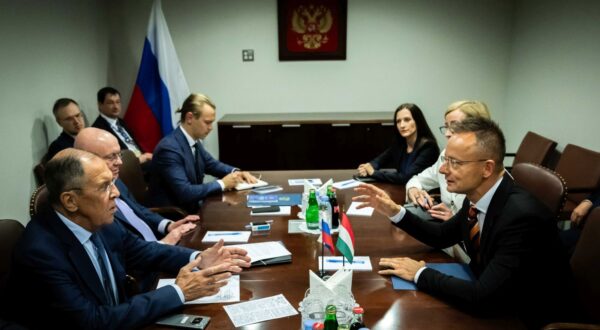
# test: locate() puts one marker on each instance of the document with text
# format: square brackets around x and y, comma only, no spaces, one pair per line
[227,293]
[259,310]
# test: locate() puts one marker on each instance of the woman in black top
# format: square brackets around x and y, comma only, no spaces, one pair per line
[414,149]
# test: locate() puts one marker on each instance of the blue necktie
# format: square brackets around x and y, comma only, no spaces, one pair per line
[102,262]
[139,224]
[126,137]
[197,162]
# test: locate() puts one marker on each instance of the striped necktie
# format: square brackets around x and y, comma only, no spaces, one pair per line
[474,234]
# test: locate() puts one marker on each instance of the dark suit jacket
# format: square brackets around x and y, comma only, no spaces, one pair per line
[63,141]
[423,156]
[151,218]
[522,261]
[52,271]
[101,123]
[174,180]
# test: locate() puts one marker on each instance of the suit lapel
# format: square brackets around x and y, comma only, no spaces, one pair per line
[188,155]
[80,260]
[495,211]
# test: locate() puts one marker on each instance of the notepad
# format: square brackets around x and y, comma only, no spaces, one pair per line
[246,185]
[266,253]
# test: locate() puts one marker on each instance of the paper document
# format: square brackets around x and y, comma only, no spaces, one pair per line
[228,293]
[300,182]
[283,210]
[267,189]
[335,263]
[366,212]
[245,185]
[346,184]
[227,236]
[461,271]
[264,250]
[259,310]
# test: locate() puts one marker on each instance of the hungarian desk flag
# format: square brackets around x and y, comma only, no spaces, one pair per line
[160,87]
[345,241]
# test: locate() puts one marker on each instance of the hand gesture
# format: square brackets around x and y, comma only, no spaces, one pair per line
[203,283]
[218,254]
[174,236]
[190,218]
[420,197]
[376,198]
[440,211]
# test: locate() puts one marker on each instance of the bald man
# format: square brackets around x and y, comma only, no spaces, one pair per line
[134,216]
[71,260]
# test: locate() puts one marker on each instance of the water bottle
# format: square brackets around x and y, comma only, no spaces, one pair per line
[312,211]
[325,209]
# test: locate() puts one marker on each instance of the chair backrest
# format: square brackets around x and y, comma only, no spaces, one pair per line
[545,184]
[580,168]
[534,148]
[584,264]
[38,173]
[39,200]
[10,232]
[131,174]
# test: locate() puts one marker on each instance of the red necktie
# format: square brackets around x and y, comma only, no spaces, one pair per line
[474,234]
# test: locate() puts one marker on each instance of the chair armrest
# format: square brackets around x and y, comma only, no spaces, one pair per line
[556,326]
[170,212]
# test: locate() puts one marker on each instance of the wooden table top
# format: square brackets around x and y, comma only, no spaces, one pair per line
[385,308]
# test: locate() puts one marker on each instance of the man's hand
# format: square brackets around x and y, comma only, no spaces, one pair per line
[246,176]
[232,179]
[405,268]
[206,282]
[420,197]
[190,218]
[371,196]
[440,211]
[581,211]
[365,169]
[145,157]
[218,254]
[175,235]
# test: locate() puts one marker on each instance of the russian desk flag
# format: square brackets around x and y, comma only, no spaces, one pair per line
[326,236]
[160,87]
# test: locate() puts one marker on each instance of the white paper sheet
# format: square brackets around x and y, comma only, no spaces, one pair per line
[283,210]
[227,236]
[245,185]
[366,212]
[346,184]
[300,182]
[259,310]
[228,293]
[264,250]
[335,263]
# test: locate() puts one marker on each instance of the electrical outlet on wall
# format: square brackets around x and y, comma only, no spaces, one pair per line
[248,55]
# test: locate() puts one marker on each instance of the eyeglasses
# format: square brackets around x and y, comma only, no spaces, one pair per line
[105,188]
[444,129]
[455,163]
[113,157]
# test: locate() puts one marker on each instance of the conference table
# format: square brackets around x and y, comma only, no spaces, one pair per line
[385,308]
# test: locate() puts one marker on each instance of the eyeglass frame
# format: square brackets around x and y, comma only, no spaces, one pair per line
[456,163]
[113,156]
[105,190]
[445,128]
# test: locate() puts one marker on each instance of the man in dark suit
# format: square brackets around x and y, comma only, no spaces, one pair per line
[109,106]
[132,215]
[180,161]
[516,255]
[68,115]
[71,260]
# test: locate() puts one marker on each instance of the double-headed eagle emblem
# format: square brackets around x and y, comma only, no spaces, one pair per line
[312,22]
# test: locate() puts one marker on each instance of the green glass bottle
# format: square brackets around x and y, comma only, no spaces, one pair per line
[331,322]
[312,211]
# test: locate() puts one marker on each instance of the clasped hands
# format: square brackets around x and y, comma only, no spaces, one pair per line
[217,263]
[421,198]
[365,169]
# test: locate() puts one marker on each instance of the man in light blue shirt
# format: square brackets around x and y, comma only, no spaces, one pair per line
[71,259]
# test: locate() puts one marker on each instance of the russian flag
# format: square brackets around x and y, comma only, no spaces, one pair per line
[160,87]
[326,236]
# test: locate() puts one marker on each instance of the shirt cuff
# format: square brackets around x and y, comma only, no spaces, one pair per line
[398,216]
[179,292]
[162,226]
[419,274]
[194,255]
[220,182]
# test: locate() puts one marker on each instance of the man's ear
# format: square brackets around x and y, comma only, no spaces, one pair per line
[69,201]
[489,168]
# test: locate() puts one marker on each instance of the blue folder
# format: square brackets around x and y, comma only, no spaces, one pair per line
[274,199]
[457,270]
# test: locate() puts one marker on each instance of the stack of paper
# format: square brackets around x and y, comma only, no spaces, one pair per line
[364,212]
[266,253]
[245,185]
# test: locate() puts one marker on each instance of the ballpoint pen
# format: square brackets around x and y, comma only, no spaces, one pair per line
[337,261]
[223,234]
